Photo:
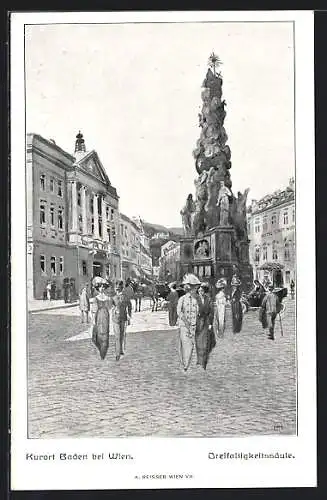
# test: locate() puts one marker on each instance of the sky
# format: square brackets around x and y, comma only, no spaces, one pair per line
[134,90]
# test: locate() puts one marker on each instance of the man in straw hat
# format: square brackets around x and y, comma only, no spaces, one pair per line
[220,308]
[188,312]
[270,307]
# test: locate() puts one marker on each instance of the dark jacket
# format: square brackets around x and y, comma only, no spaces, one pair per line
[122,307]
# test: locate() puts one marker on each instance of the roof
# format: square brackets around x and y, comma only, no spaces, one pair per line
[50,143]
[272,201]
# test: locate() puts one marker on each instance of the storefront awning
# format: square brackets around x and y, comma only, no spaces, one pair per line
[271,266]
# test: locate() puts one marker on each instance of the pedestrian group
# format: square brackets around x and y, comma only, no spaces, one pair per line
[201,319]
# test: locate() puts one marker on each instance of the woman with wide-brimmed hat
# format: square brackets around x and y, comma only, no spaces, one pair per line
[187,312]
[220,308]
[101,326]
[237,311]
[205,339]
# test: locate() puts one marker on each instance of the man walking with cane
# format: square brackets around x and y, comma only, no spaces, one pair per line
[270,307]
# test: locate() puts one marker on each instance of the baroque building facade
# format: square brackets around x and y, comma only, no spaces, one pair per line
[136,259]
[169,261]
[272,232]
[72,218]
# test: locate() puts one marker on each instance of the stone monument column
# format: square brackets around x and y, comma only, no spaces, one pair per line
[96,216]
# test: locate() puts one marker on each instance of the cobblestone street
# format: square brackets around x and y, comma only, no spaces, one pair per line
[249,386]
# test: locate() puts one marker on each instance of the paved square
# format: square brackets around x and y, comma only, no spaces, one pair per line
[249,387]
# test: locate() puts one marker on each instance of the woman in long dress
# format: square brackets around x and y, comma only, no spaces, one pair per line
[187,311]
[220,309]
[204,337]
[237,311]
[100,335]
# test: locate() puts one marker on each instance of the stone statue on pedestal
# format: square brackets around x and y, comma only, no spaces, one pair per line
[239,215]
[187,214]
[223,203]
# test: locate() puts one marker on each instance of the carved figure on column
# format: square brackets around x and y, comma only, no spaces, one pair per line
[199,220]
[224,196]
[240,215]
[187,213]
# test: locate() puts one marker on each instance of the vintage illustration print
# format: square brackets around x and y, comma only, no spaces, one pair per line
[161,230]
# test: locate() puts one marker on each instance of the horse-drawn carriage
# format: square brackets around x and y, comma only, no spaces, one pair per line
[255,297]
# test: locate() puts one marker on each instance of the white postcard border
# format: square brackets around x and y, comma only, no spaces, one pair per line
[183,455]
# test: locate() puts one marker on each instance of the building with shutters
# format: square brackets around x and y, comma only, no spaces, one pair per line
[135,253]
[271,231]
[72,218]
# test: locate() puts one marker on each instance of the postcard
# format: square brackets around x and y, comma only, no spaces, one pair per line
[163,250]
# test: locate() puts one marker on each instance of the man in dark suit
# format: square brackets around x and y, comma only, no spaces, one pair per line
[121,315]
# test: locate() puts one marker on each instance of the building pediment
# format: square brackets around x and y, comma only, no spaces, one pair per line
[91,165]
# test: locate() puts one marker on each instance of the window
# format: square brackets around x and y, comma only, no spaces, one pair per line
[84,267]
[42,213]
[287,250]
[99,204]
[51,185]
[91,205]
[92,225]
[285,217]
[107,270]
[257,255]
[273,219]
[114,235]
[115,270]
[42,264]
[122,229]
[42,182]
[100,228]
[52,216]
[274,251]
[53,265]
[112,214]
[60,189]
[80,223]
[107,212]
[109,233]
[257,225]
[265,224]
[79,198]
[264,252]
[61,266]
[60,218]
[293,215]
